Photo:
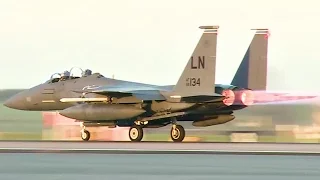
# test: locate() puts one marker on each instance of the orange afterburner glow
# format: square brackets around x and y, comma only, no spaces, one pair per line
[230,97]
[247,97]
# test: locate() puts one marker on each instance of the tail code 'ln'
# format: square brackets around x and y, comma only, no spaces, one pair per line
[198,77]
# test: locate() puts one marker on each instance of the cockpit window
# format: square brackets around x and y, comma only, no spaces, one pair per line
[56,77]
[66,75]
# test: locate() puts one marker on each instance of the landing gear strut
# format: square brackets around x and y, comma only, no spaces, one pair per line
[136,133]
[85,134]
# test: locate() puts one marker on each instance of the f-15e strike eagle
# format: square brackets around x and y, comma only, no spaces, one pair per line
[95,100]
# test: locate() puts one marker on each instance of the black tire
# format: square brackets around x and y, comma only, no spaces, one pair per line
[179,136]
[85,135]
[136,133]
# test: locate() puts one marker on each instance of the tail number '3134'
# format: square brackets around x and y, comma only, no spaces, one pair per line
[193,82]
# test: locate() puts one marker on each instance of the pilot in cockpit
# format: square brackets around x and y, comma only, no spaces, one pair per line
[65,75]
[87,72]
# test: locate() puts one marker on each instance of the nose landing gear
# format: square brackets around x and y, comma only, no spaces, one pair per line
[85,134]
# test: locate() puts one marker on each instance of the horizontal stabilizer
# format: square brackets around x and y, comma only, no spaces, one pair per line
[199,99]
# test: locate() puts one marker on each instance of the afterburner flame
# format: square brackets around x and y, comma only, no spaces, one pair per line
[230,97]
[247,97]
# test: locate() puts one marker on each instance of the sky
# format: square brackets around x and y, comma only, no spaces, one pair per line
[151,41]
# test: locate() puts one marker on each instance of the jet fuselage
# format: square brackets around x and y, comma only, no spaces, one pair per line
[47,97]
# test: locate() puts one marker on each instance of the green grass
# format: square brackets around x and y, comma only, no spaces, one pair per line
[20,136]
[7,93]
[19,121]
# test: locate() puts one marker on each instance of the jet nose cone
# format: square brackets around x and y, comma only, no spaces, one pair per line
[16,102]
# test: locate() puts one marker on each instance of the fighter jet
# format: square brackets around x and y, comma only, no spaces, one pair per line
[95,100]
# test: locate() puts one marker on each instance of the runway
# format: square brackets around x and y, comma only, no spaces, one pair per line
[158,148]
[157,160]
[53,166]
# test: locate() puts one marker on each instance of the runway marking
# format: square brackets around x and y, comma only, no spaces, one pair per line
[148,151]
[158,148]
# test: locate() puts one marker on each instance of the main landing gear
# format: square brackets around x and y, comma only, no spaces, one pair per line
[177,133]
[136,133]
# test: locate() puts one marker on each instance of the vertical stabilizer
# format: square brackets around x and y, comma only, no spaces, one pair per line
[198,77]
[252,72]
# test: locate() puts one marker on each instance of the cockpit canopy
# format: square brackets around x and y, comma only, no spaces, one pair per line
[66,75]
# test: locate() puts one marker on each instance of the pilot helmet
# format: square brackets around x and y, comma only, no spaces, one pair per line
[66,73]
[87,72]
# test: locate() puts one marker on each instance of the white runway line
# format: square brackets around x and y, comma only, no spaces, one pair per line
[159,148]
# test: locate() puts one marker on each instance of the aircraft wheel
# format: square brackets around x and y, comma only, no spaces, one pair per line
[85,135]
[136,133]
[178,133]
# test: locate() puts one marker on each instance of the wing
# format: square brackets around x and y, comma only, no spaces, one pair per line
[143,93]
[127,90]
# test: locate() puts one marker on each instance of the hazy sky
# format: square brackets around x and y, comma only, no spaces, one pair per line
[151,41]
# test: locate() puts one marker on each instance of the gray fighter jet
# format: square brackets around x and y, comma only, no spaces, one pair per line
[95,100]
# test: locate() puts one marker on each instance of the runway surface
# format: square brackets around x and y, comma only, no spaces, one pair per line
[78,166]
[157,160]
[158,148]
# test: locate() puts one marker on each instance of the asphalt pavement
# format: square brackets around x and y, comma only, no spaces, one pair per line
[57,166]
[159,147]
